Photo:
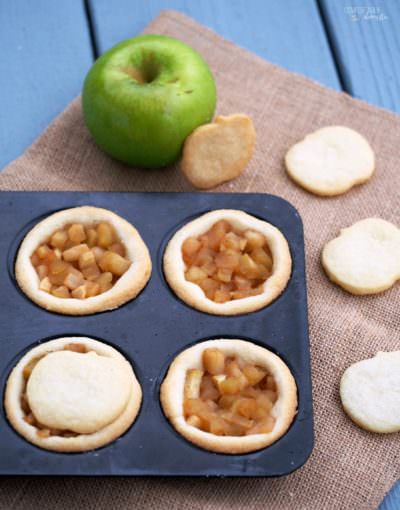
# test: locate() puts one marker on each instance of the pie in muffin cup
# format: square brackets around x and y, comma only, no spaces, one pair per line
[125,287]
[192,294]
[172,395]
[72,394]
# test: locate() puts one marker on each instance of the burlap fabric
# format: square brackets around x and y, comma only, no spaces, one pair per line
[349,468]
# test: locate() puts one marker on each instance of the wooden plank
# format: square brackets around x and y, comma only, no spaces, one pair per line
[392,499]
[45,53]
[288,33]
[365,38]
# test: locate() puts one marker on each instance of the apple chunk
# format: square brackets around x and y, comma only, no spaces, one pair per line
[218,152]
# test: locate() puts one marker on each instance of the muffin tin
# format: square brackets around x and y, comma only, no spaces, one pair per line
[150,331]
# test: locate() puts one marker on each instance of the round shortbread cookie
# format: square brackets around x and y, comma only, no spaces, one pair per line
[364,258]
[330,161]
[87,392]
[370,392]
[218,152]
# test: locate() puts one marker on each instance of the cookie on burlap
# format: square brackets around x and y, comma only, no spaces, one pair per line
[365,258]
[218,152]
[330,161]
[370,392]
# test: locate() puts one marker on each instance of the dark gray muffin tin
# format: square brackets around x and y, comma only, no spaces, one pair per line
[150,331]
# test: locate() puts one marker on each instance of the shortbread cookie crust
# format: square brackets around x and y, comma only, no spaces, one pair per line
[193,295]
[172,395]
[126,287]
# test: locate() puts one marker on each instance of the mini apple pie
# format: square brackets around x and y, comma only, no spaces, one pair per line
[72,394]
[229,396]
[82,260]
[227,262]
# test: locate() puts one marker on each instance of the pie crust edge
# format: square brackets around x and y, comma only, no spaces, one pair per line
[126,288]
[284,410]
[83,442]
[194,296]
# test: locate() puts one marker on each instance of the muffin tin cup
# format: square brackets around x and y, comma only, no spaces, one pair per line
[150,331]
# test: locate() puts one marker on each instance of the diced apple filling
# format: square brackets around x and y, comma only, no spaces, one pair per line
[227,263]
[43,431]
[229,397]
[80,261]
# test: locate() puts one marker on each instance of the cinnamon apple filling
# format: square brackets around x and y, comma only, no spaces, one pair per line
[229,397]
[228,263]
[80,261]
[42,430]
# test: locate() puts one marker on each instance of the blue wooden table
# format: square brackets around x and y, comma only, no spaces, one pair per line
[47,46]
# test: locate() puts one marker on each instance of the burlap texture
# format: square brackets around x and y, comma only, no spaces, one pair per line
[349,468]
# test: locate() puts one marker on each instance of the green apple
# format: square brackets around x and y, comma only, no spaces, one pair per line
[144,96]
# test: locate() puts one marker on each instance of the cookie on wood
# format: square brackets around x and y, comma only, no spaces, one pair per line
[218,152]
[365,258]
[370,392]
[330,161]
